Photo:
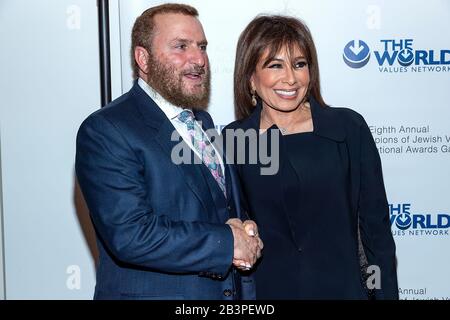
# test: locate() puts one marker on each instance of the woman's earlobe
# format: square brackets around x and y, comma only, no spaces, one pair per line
[254,101]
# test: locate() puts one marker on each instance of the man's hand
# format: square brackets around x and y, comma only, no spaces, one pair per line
[247,244]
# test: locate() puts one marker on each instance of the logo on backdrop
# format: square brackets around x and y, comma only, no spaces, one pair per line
[405,222]
[396,56]
[356,54]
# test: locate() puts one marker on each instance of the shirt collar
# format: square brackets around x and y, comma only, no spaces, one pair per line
[327,121]
[171,111]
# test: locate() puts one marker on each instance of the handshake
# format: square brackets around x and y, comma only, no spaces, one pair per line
[247,244]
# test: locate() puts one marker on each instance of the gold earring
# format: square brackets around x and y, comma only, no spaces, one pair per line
[254,102]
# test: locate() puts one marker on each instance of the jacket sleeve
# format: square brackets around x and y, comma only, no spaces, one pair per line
[375,227]
[111,178]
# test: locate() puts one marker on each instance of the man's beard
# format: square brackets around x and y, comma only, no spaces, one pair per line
[169,84]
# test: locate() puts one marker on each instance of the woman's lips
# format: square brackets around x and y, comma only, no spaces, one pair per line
[287,94]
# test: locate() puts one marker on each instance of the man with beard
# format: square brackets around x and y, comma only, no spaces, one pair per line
[164,231]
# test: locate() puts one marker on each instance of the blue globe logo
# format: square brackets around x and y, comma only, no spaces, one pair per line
[405,57]
[403,221]
[356,54]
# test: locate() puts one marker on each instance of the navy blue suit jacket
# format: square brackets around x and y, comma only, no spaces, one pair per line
[369,207]
[160,226]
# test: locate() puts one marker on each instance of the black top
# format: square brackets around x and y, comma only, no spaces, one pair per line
[329,183]
[302,239]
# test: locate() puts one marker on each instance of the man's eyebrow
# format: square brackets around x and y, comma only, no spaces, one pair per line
[182,40]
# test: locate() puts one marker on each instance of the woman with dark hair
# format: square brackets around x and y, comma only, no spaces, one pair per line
[327,198]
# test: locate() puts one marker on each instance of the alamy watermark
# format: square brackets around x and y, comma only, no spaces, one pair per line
[235,146]
[73,281]
[374,280]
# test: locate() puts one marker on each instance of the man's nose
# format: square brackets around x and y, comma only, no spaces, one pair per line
[198,57]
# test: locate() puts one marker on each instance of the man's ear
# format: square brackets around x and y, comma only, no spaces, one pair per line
[141,56]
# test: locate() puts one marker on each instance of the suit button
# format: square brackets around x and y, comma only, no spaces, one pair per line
[227,293]
[299,249]
[229,208]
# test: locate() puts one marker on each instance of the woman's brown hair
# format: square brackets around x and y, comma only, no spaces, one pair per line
[272,32]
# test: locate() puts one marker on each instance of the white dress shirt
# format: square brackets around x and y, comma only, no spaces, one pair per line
[171,111]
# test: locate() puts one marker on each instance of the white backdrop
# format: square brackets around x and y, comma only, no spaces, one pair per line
[49,84]
[407,106]
[2,275]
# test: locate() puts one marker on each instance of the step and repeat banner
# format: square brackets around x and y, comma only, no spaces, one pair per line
[49,82]
[388,60]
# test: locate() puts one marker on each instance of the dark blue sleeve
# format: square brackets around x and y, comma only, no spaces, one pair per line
[375,227]
[111,178]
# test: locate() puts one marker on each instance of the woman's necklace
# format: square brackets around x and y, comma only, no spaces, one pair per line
[283,130]
[286,129]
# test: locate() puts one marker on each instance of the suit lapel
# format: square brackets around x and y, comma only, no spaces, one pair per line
[208,127]
[190,171]
[326,123]
[155,118]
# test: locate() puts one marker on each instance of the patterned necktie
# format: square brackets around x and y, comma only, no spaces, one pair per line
[204,148]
